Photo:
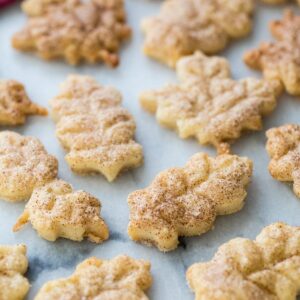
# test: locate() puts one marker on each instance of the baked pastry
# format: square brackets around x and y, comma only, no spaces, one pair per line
[121,278]
[76,30]
[186,201]
[208,105]
[93,127]
[280,60]
[185,26]
[267,268]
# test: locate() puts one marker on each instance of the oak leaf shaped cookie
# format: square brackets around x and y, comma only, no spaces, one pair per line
[208,104]
[185,201]
[267,268]
[13,265]
[283,147]
[55,210]
[24,165]
[15,105]
[121,278]
[93,127]
[280,60]
[185,26]
[76,30]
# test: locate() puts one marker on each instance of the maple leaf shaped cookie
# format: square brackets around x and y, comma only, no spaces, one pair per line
[76,30]
[13,265]
[280,60]
[24,165]
[121,278]
[185,201]
[15,105]
[267,268]
[283,147]
[93,127]
[55,210]
[185,26]
[208,104]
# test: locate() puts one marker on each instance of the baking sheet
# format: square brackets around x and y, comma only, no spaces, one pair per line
[268,200]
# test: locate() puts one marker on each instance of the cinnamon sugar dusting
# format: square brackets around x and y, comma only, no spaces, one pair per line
[24,165]
[77,30]
[185,26]
[280,60]
[283,147]
[93,127]
[185,201]
[55,210]
[15,104]
[121,278]
[267,268]
[208,105]
[13,265]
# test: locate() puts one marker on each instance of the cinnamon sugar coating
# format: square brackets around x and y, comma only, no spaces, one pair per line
[185,201]
[15,105]
[13,265]
[267,268]
[207,104]
[283,147]
[185,26]
[55,210]
[121,278]
[24,165]
[93,127]
[280,60]
[77,30]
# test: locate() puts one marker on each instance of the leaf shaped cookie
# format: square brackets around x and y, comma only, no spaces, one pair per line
[267,268]
[280,60]
[283,147]
[185,26]
[121,278]
[185,201]
[55,210]
[208,105]
[93,127]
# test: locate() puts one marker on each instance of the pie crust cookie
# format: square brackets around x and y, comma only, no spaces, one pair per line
[185,201]
[24,165]
[13,265]
[267,268]
[15,105]
[76,30]
[93,127]
[185,26]
[283,147]
[208,105]
[121,278]
[55,210]
[280,60]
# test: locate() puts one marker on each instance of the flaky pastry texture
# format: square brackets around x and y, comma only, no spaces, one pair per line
[15,104]
[185,26]
[283,147]
[13,265]
[121,278]
[267,268]
[24,165]
[55,210]
[280,60]
[207,104]
[93,127]
[185,201]
[77,30]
